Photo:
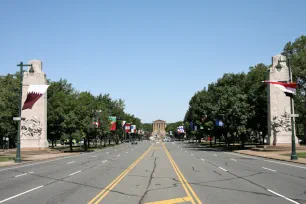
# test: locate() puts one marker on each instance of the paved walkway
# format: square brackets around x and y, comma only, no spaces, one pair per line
[273,155]
[29,156]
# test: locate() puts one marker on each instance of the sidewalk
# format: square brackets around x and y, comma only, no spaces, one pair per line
[273,155]
[30,156]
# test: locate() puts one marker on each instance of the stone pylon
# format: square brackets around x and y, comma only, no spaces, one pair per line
[34,127]
[279,122]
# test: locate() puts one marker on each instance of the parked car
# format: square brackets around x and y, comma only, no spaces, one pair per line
[167,140]
[134,142]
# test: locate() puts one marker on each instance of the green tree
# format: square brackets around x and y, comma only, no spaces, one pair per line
[9,103]
[57,95]
[296,52]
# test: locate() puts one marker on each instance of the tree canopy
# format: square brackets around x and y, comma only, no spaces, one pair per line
[239,100]
[71,114]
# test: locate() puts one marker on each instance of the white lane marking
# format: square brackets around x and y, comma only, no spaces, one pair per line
[94,156]
[222,169]
[282,196]
[118,155]
[21,175]
[32,164]
[268,169]
[107,152]
[240,155]
[233,159]
[202,159]
[75,173]
[2,201]
[132,149]
[191,154]
[71,162]
[185,151]
[31,172]
[215,155]
[126,152]
[104,161]
[302,167]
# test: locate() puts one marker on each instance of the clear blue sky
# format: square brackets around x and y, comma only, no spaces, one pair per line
[154,54]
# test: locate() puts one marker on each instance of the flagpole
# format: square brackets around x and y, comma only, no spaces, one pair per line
[21,65]
[293,152]
[293,147]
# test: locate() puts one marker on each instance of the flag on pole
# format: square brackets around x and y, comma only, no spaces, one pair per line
[34,93]
[123,124]
[180,129]
[288,88]
[127,127]
[191,125]
[133,128]
[97,124]
[113,121]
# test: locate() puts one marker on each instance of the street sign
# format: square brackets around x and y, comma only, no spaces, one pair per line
[17,118]
[294,115]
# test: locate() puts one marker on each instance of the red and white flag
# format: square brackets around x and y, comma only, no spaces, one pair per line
[34,93]
[288,88]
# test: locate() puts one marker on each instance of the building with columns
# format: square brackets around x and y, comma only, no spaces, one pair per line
[159,128]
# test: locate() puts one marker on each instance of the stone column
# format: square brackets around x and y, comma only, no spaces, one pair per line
[34,127]
[279,124]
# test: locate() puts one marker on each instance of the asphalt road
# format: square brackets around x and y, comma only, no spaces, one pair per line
[159,173]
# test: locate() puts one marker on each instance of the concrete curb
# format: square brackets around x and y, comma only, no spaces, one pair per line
[296,162]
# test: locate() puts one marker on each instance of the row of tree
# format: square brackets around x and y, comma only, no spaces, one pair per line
[71,113]
[240,100]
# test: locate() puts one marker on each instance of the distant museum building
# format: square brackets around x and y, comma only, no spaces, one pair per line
[159,128]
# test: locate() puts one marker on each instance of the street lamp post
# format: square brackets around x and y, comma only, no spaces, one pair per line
[31,70]
[293,149]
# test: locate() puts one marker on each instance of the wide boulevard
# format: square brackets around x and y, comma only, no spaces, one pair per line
[155,172]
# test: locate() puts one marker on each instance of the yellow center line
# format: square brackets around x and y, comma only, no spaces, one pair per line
[172,201]
[178,175]
[108,188]
[183,178]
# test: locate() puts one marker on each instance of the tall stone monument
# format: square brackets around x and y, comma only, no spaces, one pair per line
[279,121]
[34,127]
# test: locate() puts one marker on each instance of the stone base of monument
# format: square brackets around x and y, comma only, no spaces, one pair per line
[34,144]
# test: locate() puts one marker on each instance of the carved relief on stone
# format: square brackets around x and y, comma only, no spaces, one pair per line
[31,128]
[281,123]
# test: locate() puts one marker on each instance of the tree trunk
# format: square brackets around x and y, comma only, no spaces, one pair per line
[88,143]
[85,144]
[242,141]
[70,142]
[52,143]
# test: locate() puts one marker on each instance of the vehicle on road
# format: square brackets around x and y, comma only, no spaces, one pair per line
[167,140]
[134,142]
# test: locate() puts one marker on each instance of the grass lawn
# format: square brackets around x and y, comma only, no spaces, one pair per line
[299,154]
[6,158]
